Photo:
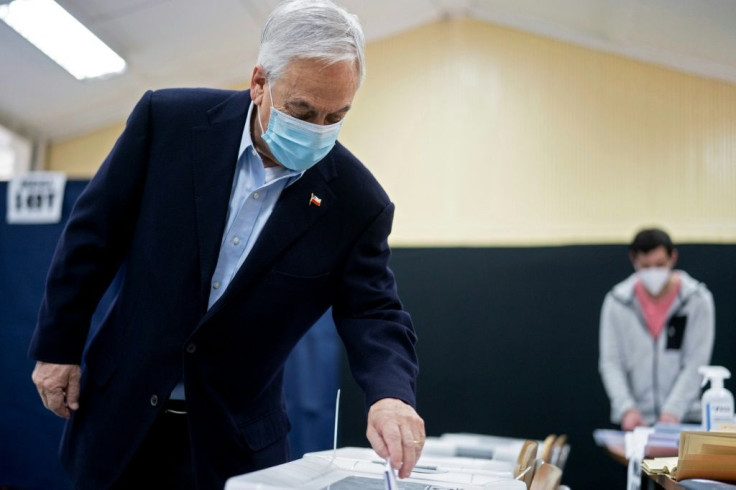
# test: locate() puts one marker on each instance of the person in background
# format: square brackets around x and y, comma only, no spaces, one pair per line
[237,220]
[656,328]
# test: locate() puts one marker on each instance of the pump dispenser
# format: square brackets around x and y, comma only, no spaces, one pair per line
[717,402]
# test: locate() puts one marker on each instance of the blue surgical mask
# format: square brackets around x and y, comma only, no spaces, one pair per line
[297,144]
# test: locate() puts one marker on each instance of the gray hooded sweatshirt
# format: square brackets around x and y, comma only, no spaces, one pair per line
[656,375]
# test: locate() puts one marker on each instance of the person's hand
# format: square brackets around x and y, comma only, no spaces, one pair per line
[632,418]
[669,418]
[58,386]
[396,431]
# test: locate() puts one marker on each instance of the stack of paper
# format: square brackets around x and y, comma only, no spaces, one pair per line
[662,444]
[660,466]
[710,455]
[663,441]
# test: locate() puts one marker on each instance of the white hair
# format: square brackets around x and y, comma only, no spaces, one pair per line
[310,29]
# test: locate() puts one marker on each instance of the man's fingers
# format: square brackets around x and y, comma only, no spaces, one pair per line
[72,390]
[42,394]
[388,445]
[409,451]
[54,382]
[57,403]
[377,443]
[391,438]
[419,443]
[396,432]
[38,381]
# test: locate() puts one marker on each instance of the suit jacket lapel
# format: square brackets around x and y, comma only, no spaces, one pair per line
[293,215]
[215,153]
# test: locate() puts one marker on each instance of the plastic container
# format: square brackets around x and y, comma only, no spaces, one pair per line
[717,402]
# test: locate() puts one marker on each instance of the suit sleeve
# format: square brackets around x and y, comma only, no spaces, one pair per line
[378,334]
[93,245]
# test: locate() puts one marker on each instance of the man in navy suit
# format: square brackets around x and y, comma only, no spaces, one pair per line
[235,220]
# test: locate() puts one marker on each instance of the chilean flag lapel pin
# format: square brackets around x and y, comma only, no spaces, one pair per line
[317,201]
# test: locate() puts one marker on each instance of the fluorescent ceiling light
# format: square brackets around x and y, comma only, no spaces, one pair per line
[62,38]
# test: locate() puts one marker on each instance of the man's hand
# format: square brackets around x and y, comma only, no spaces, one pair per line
[395,430]
[669,418]
[58,386]
[632,418]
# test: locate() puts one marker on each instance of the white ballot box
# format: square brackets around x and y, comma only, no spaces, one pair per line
[361,469]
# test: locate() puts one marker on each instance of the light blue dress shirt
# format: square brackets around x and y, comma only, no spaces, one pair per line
[254,194]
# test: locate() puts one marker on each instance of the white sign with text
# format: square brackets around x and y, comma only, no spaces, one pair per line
[36,198]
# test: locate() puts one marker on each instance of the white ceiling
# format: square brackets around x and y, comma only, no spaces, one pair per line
[213,43]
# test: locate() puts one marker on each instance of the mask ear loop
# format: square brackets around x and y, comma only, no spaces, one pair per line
[270,97]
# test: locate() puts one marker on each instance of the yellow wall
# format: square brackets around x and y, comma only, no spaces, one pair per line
[80,157]
[484,135]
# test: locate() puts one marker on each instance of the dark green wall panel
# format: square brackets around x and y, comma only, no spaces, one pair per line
[508,342]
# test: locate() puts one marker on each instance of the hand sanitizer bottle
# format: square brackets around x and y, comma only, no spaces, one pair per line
[717,402]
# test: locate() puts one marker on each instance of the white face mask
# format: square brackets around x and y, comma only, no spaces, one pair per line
[654,279]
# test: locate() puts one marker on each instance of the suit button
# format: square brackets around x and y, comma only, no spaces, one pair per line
[154,400]
[191,348]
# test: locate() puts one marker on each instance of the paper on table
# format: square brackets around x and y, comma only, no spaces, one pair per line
[657,466]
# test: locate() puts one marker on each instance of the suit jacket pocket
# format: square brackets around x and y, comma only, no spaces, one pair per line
[261,432]
[298,288]
[676,331]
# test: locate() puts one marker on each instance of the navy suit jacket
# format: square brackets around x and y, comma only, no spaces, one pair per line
[157,208]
